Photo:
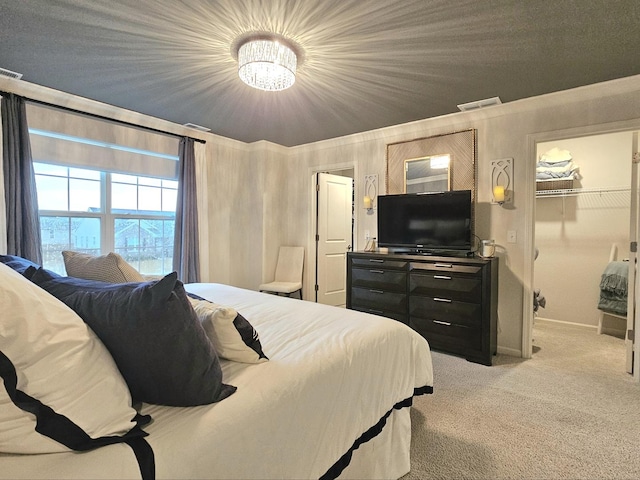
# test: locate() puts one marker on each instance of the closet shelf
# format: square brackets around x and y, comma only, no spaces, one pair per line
[571,192]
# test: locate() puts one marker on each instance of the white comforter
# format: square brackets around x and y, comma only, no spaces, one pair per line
[332,374]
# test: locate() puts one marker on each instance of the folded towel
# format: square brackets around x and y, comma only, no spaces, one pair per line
[540,176]
[610,303]
[556,155]
[615,278]
[553,164]
[567,167]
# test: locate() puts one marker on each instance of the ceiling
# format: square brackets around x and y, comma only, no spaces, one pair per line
[366,63]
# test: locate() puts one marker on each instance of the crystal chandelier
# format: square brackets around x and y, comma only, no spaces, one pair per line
[267,64]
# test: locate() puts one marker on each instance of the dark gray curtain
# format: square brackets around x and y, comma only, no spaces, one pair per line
[186,258]
[23,222]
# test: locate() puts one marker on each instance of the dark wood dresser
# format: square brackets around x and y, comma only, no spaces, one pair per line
[451,301]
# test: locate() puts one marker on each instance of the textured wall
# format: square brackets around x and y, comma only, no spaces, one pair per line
[504,131]
[261,195]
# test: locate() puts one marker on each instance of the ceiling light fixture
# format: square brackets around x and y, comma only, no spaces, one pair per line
[267,63]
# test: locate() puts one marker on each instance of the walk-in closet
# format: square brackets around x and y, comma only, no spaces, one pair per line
[582,223]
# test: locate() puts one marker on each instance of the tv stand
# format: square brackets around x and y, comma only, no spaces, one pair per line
[451,301]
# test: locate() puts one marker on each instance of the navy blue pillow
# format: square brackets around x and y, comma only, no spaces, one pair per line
[152,333]
[19,264]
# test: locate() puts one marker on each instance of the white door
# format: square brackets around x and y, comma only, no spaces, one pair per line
[333,237]
[633,312]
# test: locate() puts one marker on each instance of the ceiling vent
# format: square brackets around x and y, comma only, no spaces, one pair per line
[197,127]
[8,73]
[487,102]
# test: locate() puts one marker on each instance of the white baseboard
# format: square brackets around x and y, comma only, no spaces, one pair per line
[574,324]
[616,332]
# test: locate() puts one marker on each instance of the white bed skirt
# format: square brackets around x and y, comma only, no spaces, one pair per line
[387,455]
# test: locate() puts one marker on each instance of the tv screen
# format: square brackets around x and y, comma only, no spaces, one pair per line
[425,222]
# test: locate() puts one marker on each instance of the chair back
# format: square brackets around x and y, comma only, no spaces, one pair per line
[290,264]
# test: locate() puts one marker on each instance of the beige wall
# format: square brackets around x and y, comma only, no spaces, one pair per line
[503,131]
[260,194]
[574,234]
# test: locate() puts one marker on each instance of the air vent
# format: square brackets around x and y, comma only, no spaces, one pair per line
[8,73]
[197,127]
[487,102]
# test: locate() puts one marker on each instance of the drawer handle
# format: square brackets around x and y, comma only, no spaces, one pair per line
[446,300]
[440,322]
[377,312]
[377,291]
[376,260]
[376,271]
[442,277]
[444,265]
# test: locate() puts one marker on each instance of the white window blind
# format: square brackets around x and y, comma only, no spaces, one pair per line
[66,138]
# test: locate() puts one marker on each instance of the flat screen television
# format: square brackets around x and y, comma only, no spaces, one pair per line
[426,222]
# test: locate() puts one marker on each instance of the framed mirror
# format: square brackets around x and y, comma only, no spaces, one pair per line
[427,174]
[460,147]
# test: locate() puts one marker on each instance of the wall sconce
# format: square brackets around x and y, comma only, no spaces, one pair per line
[370,192]
[502,181]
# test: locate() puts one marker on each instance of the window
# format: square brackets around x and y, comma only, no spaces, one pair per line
[98,212]
[103,187]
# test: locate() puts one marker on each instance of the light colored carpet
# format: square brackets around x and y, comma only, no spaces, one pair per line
[570,412]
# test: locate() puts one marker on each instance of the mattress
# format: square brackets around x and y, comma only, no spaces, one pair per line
[337,383]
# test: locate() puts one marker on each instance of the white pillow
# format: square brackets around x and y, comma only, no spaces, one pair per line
[110,268]
[232,336]
[49,354]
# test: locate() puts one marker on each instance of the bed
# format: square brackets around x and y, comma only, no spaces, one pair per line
[331,401]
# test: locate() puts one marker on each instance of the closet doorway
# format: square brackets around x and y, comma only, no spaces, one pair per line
[581,226]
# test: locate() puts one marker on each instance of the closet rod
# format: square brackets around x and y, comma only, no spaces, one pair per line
[571,192]
[102,117]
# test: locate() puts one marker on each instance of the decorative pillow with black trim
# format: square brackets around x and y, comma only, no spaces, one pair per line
[111,268]
[153,334]
[60,389]
[232,336]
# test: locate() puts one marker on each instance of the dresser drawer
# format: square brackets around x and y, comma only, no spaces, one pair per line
[445,267]
[400,317]
[379,300]
[377,262]
[449,311]
[447,336]
[380,279]
[466,288]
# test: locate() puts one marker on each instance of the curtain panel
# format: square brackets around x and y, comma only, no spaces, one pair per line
[3,208]
[202,189]
[21,200]
[186,259]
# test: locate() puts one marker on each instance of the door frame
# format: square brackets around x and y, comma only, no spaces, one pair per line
[310,275]
[529,191]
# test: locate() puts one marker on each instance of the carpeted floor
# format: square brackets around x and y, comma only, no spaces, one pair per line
[570,412]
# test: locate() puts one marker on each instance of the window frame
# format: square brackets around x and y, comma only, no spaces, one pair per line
[106,215]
